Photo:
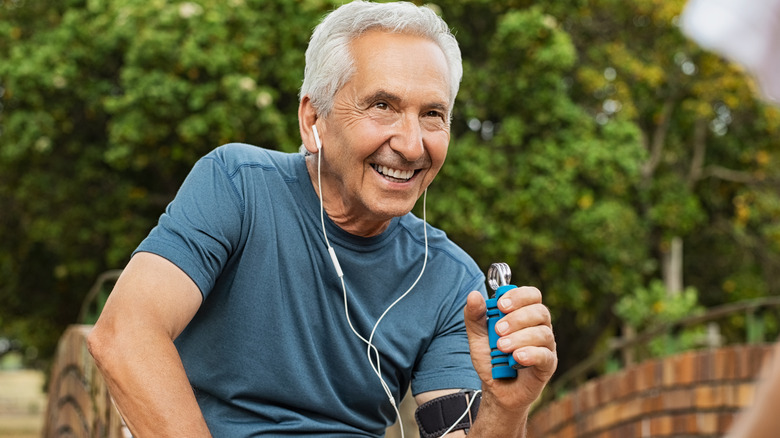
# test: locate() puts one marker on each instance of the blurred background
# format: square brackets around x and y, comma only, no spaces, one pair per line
[629,174]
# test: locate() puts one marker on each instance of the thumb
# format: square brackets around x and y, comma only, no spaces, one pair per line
[475,314]
[475,317]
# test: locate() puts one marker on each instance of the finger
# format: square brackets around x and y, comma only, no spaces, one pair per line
[528,316]
[545,360]
[518,298]
[537,336]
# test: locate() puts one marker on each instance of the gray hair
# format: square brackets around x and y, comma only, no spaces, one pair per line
[329,62]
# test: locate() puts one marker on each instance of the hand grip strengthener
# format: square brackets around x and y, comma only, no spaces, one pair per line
[504,365]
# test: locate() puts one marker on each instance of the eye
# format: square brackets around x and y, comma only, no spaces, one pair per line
[381,105]
[435,114]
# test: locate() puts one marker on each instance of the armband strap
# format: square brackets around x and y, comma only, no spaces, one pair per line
[439,414]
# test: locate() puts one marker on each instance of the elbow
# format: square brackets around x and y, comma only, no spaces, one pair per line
[98,345]
[94,344]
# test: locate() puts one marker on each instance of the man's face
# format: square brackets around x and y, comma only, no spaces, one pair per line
[386,137]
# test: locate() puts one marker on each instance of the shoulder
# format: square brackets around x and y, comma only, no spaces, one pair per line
[237,156]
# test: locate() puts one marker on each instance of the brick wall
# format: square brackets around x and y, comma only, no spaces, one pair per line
[693,394]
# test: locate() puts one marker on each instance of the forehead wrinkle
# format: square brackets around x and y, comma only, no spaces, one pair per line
[405,77]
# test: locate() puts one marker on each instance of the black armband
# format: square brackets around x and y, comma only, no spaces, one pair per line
[439,414]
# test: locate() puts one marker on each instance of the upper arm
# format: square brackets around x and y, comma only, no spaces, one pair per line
[427,396]
[446,359]
[152,293]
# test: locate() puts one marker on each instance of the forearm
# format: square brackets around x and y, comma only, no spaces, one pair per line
[528,335]
[493,421]
[148,384]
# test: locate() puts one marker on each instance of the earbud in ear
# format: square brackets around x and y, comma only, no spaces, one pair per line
[317,140]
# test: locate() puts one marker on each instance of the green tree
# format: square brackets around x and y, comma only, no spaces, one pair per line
[710,176]
[535,181]
[601,139]
[588,137]
[106,106]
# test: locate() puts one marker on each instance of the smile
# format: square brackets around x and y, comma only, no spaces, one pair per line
[393,174]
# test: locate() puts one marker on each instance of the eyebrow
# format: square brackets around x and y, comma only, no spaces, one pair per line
[380,95]
[394,98]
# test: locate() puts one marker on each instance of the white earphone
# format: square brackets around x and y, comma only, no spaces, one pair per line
[317,140]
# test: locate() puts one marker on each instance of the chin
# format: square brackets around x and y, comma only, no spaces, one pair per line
[395,209]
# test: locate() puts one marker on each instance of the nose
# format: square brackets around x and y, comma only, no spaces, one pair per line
[408,139]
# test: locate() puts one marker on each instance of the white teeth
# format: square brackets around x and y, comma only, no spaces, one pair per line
[395,173]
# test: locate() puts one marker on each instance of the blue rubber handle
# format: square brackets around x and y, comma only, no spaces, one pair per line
[504,365]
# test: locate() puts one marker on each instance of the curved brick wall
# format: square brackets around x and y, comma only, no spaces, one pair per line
[693,394]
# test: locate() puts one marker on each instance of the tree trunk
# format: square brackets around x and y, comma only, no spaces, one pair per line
[672,266]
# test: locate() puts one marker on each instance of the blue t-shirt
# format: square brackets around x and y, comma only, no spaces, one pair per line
[270,350]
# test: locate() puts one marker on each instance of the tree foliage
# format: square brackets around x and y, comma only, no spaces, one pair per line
[586,136]
[545,190]
[710,176]
[106,106]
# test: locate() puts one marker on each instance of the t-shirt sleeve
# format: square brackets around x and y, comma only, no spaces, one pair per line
[446,364]
[201,227]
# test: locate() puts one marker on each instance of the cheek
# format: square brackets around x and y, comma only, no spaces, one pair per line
[438,149]
[366,137]
[438,153]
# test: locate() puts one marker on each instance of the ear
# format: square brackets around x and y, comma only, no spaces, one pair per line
[307,116]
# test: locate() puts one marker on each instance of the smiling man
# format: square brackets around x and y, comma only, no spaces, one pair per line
[390,123]
[296,295]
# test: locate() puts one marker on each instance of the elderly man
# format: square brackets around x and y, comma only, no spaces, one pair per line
[296,295]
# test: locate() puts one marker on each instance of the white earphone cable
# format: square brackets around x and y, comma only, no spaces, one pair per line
[468,408]
[370,347]
[369,344]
